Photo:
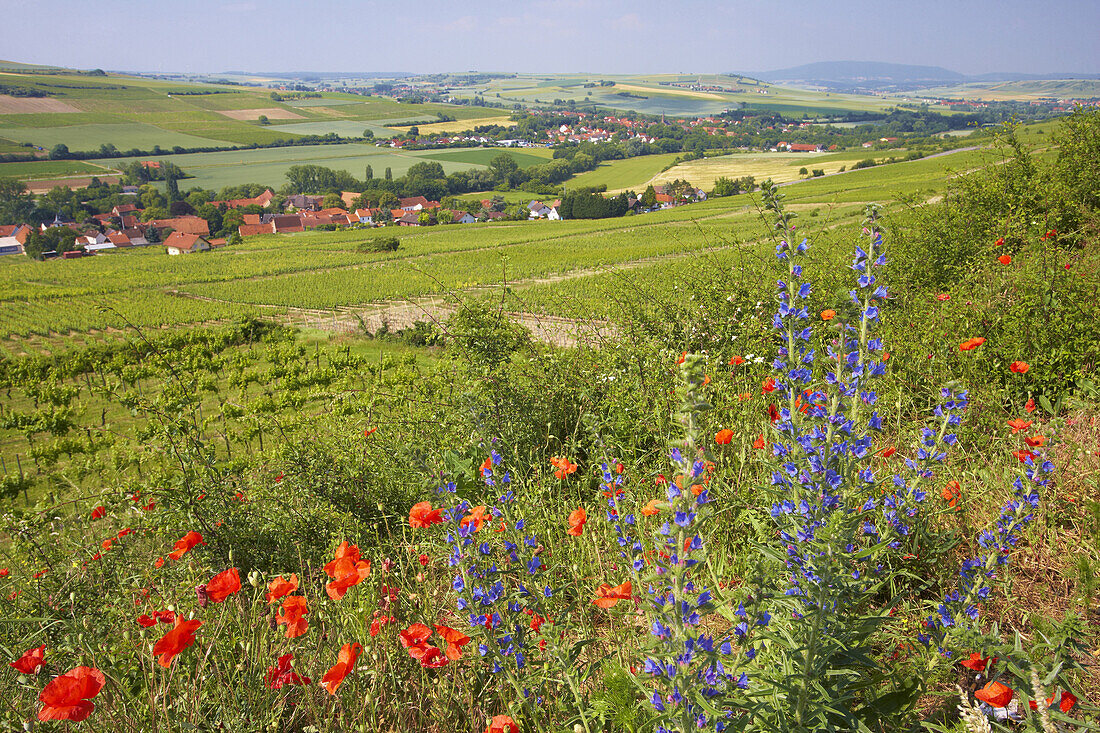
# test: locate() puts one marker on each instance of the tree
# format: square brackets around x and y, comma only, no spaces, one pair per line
[172,189]
[262,119]
[60,152]
[502,167]
[368,134]
[802,171]
[388,200]
[332,201]
[649,197]
[389,173]
[370,170]
[724,186]
[16,202]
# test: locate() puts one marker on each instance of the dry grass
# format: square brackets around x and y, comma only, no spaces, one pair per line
[455,125]
[670,91]
[780,167]
[272,113]
[30,105]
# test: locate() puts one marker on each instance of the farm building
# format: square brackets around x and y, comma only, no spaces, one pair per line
[179,243]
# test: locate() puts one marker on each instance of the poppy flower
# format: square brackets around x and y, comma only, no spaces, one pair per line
[68,696]
[346,570]
[951,493]
[4,572]
[159,563]
[577,518]
[423,560]
[745,396]
[608,596]
[502,724]
[651,509]
[1035,441]
[1018,425]
[1065,703]
[145,621]
[683,356]
[422,515]
[971,344]
[723,436]
[165,616]
[334,677]
[1000,241]
[31,661]
[737,361]
[487,466]
[1051,234]
[994,694]
[759,443]
[223,585]
[477,516]
[369,432]
[889,451]
[943,297]
[977,662]
[1019,367]
[282,674]
[380,621]
[1023,456]
[1004,260]
[1030,405]
[279,587]
[99,512]
[828,314]
[185,544]
[175,641]
[564,467]
[773,413]
[292,614]
[768,386]
[432,658]
[106,544]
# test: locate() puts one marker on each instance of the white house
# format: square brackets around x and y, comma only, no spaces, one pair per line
[179,243]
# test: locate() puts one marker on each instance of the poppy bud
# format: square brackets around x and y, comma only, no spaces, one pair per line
[386,565]
[203,596]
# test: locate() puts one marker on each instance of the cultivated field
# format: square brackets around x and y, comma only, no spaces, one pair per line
[10,105]
[630,173]
[272,113]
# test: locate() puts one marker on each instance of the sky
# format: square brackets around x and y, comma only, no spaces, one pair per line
[604,36]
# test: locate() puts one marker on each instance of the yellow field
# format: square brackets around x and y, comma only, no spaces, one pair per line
[780,167]
[456,125]
[670,91]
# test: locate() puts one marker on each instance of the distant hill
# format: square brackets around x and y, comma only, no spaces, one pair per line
[878,76]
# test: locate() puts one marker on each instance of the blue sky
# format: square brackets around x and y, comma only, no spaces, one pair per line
[609,36]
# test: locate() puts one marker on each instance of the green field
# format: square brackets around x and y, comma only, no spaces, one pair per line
[50,169]
[619,175]
[524,157]
[124,136]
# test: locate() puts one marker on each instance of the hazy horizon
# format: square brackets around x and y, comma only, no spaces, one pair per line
[550,36]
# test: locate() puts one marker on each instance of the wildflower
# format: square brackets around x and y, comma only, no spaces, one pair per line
[145,621]
[159,563]
[977,662]
[889,451]
[994,694]
[971,344]
[476,515]
[346,570]
[281,674]
[1023,456]
[99,512]
[1000,242]
[943,297]
[68,696]
[31,661]
[564,467]
[1035,441]
[608,596]
[1030,405]
[455,640]
[737,361]
[278,588]
[828,314]
[651,509]
[4,572]
[334,677]
[185,544]
[502,724]
[1004,260]
[175,641]
[223,585]
[1051,234]
[951,493]
[292,614]
[768,386]
[1065,702]
[380,621]
[423,560]
[759,443]
[723,437]
[422,515]
[1019,367]
[369,432]
[1018,425]
[577,518]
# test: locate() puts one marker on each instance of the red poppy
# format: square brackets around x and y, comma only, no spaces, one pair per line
[432,658]
[380,621]
[995,694]
[369,432]
[239,496]
[1023,456]
[165,616]
[146,621]
[1049,235]
[682,357]
[999,242]
[1019,367]
[31,661]
[68,696]
[175,641]
[415,635]
[977,662]
[577,518]
[334,677]
[279,587]
[99,512]
[106,544]
[651,509]
[768,386]
[4,572]
[951,493]
[608,596]
[292,614]
[422,515]
[186,544]
[487,466]
[828,314]
[943,297]
[1030,405]
[1018,425]
[773,413]
[346,570]
[502,724]
[223,585]
[971,344]
[477,516]
[1004,260]
[737,361]
[723,436]
[564,467]
[423,560]
[759,443]
[159,563]
[282,674]
[889,451]
[1035,441]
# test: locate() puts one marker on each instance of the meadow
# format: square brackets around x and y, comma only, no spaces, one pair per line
[832,467]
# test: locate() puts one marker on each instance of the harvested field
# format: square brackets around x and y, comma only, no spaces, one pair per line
[30,105]
[273,113]
[43,186]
